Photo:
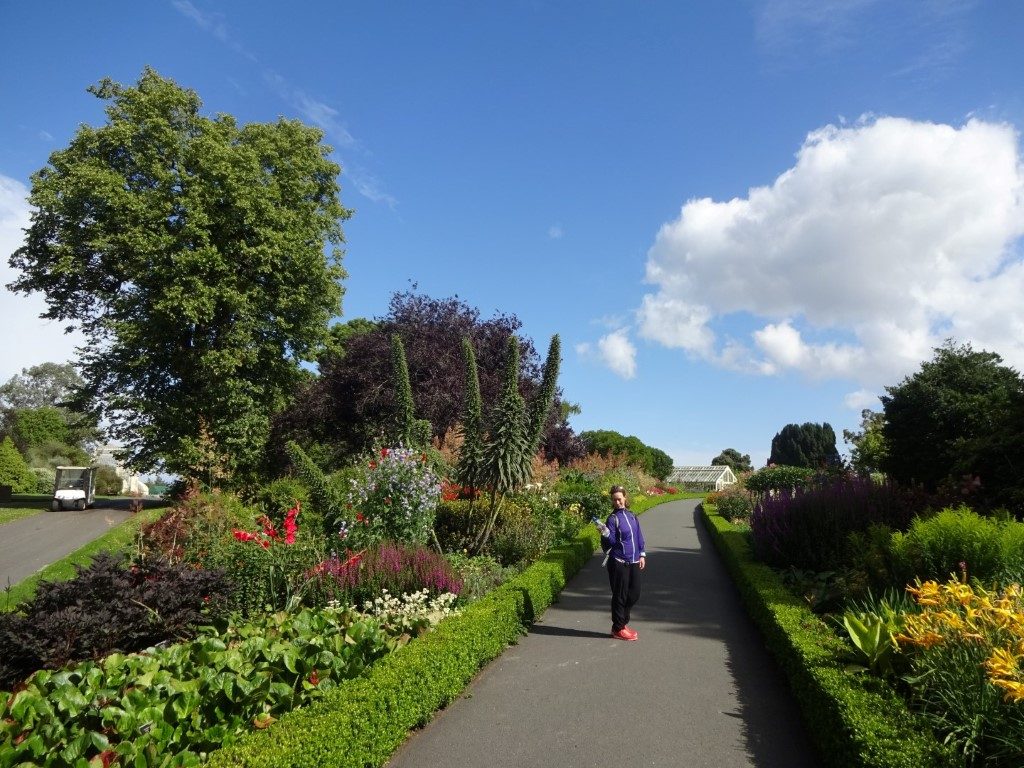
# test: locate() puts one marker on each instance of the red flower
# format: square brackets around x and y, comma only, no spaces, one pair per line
[314,678]
[373,465]
[360,518]
[384,453]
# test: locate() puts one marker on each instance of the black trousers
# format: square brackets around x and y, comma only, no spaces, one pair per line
[625,581]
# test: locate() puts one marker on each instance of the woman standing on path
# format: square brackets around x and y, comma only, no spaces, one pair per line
[626,558]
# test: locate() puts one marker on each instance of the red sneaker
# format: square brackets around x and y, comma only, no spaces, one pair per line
[633,632]
[625,634]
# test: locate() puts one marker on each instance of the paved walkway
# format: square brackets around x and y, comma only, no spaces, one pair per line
[32,543]
[697,690]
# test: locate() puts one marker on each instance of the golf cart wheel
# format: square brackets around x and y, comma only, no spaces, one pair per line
[55,505]
[80,505]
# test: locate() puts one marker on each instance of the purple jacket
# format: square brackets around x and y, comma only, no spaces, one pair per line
[626,538]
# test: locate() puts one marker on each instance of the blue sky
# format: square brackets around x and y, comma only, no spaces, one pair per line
[737,215]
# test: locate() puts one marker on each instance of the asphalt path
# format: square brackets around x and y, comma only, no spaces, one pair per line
[31,543]
[698,689]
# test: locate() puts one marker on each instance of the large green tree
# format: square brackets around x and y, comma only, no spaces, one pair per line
[869,450]
[807,445]
[191,252]
[961,414]
[608,442]
[736,461]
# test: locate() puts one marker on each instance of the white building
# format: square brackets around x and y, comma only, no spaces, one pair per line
[710,478]
[131,483]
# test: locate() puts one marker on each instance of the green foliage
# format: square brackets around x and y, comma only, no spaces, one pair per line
[190,252]
[403,393]
[45,480]
[107,481]
[184,701]
[41,386]
[327,499]
[869,452]
[961,414]
[13,469]
[782,478]
[733,503]
[855,720]
[53,454]
[480,574]
[29,427]
[544,398]
[606,442]
[736,461]
[805,445]
[873,635]
[278,496]
[364,720]
[957,540]
[469,471]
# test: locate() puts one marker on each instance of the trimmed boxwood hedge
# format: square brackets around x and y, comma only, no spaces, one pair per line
[856,720]
[363,721]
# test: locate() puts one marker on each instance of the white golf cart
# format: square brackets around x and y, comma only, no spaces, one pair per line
[75,488]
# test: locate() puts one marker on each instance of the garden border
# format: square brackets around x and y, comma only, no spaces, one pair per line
[855,720]
[363,721]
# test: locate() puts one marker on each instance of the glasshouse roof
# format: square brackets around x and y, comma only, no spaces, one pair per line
[708,474]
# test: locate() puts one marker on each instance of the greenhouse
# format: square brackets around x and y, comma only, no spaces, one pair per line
[709,478]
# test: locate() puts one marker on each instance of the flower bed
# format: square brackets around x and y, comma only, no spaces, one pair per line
[856,720]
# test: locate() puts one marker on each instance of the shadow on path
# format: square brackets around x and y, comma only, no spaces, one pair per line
[698,689]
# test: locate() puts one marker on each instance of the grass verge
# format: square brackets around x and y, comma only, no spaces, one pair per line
[16,513]
[117,539]
[856,720]
[363,721]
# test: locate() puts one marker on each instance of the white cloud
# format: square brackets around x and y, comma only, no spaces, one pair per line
[861,399]
[28,340]
[618,353]
[555,232]
[884,238]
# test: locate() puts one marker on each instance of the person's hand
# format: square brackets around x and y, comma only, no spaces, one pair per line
[643,563]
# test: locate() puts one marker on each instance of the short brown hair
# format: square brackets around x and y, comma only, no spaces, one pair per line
[617,489]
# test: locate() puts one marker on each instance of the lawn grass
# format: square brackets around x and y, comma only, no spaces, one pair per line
[7,513]
[117,539]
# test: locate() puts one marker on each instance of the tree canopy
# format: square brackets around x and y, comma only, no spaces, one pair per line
[805,445]
[961,414]
[191,252]
[869,448]
[736,461]
[354,400]
[607,442]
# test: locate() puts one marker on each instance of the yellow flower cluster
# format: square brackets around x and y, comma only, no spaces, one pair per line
[956,613]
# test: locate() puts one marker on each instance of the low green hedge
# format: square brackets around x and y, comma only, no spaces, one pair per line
[857,720]
[363,721]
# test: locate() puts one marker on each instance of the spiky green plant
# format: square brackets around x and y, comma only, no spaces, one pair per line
[403,392]
[469,469]
[325,500]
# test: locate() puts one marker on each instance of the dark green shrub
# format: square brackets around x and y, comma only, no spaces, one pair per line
[45,479]
[592,502]
[778,479]
[479,574]
[732,503]
[107,481]
[520,536]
